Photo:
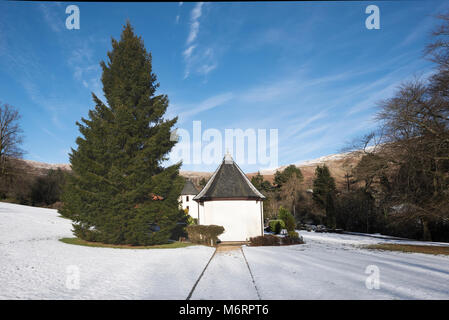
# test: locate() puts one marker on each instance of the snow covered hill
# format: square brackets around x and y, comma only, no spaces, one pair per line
[338,165]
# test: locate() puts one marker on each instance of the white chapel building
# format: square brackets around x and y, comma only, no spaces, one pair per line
[230,200]
[187,194]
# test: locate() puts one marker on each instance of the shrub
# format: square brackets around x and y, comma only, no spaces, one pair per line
[292,238]
[179,231]
[276,225]
[266,240]
[57,205]
[191,221]
[47,189]
[277,228]
[288,218]
[290,222]
[293,234]
[204,234]
[283,212]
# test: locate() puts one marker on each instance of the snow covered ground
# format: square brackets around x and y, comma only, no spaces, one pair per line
[35,265]
[329,266]
[226,277]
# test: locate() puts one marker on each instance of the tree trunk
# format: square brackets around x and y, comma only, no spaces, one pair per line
[426,231]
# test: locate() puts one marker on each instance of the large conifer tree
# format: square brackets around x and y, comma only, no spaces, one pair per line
[117,167]
[324,193]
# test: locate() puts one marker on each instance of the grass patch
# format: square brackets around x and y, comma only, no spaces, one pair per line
[408,248]
[10,200]
[80,242]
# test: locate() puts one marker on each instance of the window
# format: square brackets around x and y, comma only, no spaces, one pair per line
[187,199]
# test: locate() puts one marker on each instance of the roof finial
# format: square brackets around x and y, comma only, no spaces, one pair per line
[228,157]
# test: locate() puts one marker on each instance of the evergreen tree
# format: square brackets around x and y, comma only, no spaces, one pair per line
[117,167]
[203,182]
[281,177]
[266,186]
[257,181]
[288,218]
[261,184]
[324,193]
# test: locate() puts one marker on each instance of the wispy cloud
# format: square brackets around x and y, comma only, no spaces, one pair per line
[54,20]
[53,135]
[194,23]
[312,112]
[188,52]
[21,62]
[80,56]
[206,68]
[201,60]
[85,70]
[207,104]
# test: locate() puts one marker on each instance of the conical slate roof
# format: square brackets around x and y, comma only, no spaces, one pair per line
[189,189]
[229,182]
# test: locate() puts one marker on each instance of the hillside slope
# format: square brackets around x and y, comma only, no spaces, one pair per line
[339,164]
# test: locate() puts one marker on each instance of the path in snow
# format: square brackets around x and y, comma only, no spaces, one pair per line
[226,277]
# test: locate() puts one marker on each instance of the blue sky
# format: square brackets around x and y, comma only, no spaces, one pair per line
[309,69]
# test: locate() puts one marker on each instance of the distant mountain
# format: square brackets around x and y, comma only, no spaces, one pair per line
[339,164]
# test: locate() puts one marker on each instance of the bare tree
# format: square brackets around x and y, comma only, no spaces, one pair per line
[437,51]
[290,191]
[10,136]
[409,170]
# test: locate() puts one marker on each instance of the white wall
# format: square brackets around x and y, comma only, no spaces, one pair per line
[193,205]
[201,213]
[241,218]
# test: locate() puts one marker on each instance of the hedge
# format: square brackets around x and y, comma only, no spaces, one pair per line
[266,240]
[292,238]
[272,240]
[204,234]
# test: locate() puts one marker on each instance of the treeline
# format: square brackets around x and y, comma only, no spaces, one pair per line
[21,187]
[400,186]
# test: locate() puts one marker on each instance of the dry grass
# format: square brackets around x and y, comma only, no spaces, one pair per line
[80,242]
[409,248]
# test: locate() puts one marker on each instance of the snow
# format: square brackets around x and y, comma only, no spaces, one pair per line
[35,265]
[363,239]
[226,277]
[329,266]
[313,162]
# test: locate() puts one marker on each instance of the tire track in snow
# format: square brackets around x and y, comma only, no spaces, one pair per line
[201,275]
[30,240]
[226,276]
[251,274]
